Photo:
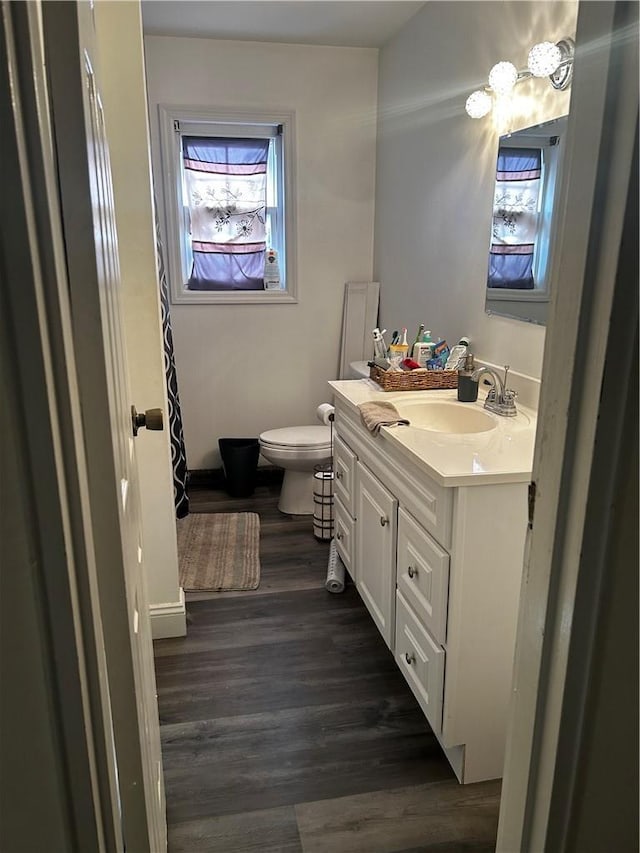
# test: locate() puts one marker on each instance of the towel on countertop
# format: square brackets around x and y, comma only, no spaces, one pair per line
[380,413]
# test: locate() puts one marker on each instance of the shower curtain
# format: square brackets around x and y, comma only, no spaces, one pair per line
[178,453]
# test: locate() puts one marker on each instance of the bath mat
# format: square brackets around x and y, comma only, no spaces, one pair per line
[219,551]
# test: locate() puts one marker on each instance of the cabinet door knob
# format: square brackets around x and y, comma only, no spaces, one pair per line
[339,475]
[410,658]
[338,535]
[383,520]
[412,572]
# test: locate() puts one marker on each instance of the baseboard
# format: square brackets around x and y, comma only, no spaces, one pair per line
[169,619]
[213,478]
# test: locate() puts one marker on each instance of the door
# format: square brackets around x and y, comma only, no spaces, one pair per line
[93,271]
[376,526]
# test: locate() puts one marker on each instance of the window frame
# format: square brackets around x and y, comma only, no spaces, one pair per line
[190,119]
[545,238]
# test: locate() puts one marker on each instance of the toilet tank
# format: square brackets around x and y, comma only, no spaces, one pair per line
[358,370]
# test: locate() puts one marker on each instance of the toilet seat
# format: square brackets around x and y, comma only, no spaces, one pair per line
[298,450]
[300,438]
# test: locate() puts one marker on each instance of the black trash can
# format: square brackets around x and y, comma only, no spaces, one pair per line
[240,462]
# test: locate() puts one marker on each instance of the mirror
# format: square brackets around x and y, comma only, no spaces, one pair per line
[524,214]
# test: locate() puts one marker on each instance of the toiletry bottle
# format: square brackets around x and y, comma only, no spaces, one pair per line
[427,339]
[457,354]
[423,350]
[379,345]
[421,353]
[404,344]
[467,387]
[271,270]
[417,340]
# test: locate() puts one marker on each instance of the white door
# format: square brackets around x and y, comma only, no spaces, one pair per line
[94,286]
[376,526]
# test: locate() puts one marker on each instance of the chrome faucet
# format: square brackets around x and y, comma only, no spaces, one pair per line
[500,399]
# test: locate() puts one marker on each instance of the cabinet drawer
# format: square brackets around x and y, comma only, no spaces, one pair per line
[344,467]
[344,536]
[421,661]
[423,575]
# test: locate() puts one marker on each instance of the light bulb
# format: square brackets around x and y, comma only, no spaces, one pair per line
[544,59]
[478,104]
[503,77]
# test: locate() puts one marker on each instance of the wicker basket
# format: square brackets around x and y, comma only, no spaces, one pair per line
[431,380]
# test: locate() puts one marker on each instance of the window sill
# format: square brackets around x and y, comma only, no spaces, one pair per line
[237,297]
[503,294]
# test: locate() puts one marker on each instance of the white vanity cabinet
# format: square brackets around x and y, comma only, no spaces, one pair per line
[439,569]
[376,526]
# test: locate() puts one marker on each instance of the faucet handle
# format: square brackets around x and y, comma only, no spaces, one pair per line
[509,402]
[509,393]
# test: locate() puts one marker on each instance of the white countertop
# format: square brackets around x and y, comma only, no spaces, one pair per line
[500,455]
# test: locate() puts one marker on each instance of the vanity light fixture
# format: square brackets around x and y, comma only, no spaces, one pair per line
[546,59]
[478,104]
[503,77]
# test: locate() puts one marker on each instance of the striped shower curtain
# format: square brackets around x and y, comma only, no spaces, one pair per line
[178,453]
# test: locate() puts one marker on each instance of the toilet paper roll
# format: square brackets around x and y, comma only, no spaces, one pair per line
[325,413]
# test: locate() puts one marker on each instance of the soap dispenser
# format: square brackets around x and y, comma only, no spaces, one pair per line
[467,386]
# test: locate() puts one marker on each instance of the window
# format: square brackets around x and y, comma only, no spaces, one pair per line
[228,203]
[523,206]
[516,209]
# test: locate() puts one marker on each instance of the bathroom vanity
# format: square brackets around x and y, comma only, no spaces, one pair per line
[430,521]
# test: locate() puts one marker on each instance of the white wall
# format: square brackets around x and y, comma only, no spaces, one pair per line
[122,80]
[436,167]
[246,368]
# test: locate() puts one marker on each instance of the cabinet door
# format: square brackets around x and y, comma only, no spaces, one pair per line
[376,526]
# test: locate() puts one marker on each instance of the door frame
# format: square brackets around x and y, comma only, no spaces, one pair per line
[95,714]
[35,302]
[46,424]
[588,365]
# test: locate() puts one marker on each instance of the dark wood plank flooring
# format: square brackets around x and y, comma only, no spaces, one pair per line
[286,725]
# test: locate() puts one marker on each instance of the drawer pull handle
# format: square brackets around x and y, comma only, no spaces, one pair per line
[338,535]
[410,658]
[339,475]
[412,572]
[383,520]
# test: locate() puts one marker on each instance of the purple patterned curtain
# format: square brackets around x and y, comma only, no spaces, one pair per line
[515,218]
[226,189]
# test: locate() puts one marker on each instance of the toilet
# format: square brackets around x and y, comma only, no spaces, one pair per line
[297,450]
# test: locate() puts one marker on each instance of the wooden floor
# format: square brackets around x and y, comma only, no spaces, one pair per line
[286,725]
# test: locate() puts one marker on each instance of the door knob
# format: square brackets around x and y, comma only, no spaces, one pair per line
[151,419]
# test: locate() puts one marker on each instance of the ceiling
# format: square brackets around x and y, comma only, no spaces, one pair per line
[336,22]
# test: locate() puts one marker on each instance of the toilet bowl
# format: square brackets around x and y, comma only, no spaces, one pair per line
[297,450]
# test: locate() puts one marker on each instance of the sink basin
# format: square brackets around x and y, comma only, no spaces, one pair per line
[454,418]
